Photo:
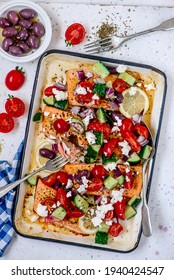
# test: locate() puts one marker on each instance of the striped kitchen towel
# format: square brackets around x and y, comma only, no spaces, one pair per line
[8,174]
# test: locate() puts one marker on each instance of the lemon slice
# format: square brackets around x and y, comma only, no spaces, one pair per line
[134,102]
[41,161]
[85,223]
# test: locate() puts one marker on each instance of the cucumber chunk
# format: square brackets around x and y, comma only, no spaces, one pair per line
[32,180]
[101,237]
[59,213]
[98,137]
[37,117]
[134,201]
[129,212]
[110,182]
[81,203]
[100,69]
[145,152]
[127,78]
[100,89]
[103,227]
[93,150]
[134,159]
[101,115]
[77,125]
[88,159]
[63,104]
[49,100]
[106,160]
[120,180]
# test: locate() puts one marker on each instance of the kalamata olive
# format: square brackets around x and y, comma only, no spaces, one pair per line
[14,50]
[6,43]
[13,17]
[25,23]
[22,35]
[33,42]
[38,29]
[46,153]
[28,13]
[23,46]
[9,32]
[4,22]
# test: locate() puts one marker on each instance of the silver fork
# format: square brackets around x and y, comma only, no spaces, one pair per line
[51,165]
[113,42]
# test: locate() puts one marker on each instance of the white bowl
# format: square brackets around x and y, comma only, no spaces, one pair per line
[43,18]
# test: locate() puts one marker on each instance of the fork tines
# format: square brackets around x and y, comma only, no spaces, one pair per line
[99,45]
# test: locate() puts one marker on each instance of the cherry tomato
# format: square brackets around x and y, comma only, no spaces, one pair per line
[119,85]
[49,90]
[61,126]
[127,125]
[95,185]
[74,213]
[87,85]
[109,215]
[85,98]
[141,130]
[64,201]
[62,177]
[75,34]
[15,79]
[101,127]
[6,123]
[98,171]
[119,209]
[132,140]
[49,202]
[14,106]
[129,180]
[115,229]
[50,180]
[110,147]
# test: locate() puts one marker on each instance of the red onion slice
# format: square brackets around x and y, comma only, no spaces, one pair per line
[115,115]
[75,110]
[142,140]
[112,70]
[110,93]
[114,105]
[80,75]
[138,117]
[60,86]
[87,112]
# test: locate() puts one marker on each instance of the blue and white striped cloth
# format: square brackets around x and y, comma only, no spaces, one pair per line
[8,173]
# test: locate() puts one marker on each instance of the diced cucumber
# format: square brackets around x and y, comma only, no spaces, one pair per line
[59,213]
[88,159]
[101,115]
[32,180]
[90,199]
[134,159]
[106,160]
[37,117]
[100,69]
[81,203]
[109,84]
[103,227]
[98,137]
[49,100]
[134,201]
[145,152]
[129,212]
[77,125]
[101,237]
[93,150]
[110,182]
[63,104]
[100,89]
[127,78]
[120,180]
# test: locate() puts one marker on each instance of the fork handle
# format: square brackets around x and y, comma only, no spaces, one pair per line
[5,189]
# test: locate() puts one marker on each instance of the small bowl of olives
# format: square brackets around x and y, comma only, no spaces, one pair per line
[25,31]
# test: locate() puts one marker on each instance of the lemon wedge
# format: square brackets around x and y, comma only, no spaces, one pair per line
[41,161]
[134,102]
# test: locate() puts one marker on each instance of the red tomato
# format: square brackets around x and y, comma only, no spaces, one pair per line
[109,147]
[115,229]
[119,209]
[132,140]
[6,123]
[61,126]
[101,127]
[98,171]
[95,185]
[74,213]
[49,90]
[14,106]
[109,215]
[129,180]
[127,125]
[62,177]
[50,180]
[64,201]
[15,79]
[49,202]
[85,98]
[141,130]
[119,85]
[75,34]
[87,85]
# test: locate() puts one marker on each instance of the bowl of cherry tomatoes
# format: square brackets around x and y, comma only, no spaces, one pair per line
[25,31]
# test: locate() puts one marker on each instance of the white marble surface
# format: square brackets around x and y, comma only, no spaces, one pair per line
[156,49]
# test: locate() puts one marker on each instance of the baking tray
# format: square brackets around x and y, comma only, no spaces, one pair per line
[130,240]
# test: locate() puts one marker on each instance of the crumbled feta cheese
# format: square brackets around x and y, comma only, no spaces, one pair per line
[117,195]
[58,203]
[110,166]
[115,128]
[54,206]
[69,194]
[89,75]
[121,68]
[88,90]
[85,181]
[99,81]
[81,189]
[92,211]
[125,147]
[150,86]
[46,114]
[105,141]
[109,223]
[87,119]
[69,184]
[90,137]
[80,90]
[127,179]
[127,170]
[42,210]
[139,84]
[53,116]
[84,185]
[118,121]
[95,97]
[60,95]
[104,200]
[132,91]
[100,213]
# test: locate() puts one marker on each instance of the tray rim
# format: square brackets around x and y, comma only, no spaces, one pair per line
[105,59]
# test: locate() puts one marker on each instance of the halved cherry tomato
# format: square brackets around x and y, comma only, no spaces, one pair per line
[132,140]
[119,209]
[14,106]
[50,180]
[62,177]
[49,202]
[75,34]
[87,85]
[101,127]
[115,229]
[49,90]
[64,201]
[85,98]
[110,147]
[15,79]
[119,85]
[127,125]
[129,180]
[141,130]
[109,215]
[74,213]
[6,123]
[98,171]
[61,126]
[95,185]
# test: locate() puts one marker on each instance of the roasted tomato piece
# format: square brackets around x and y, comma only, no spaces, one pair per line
[119,85]
[49,90]
[129,180]
[110,147]
[115,229]
[62,177]
[49,202]
[74,213]
[63,199]
[109,215]
[132,140]
[101,127]
[98,171]
[50,180]
[119,209]
[85,98]
[127,125]
[141,130]
[95,185]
